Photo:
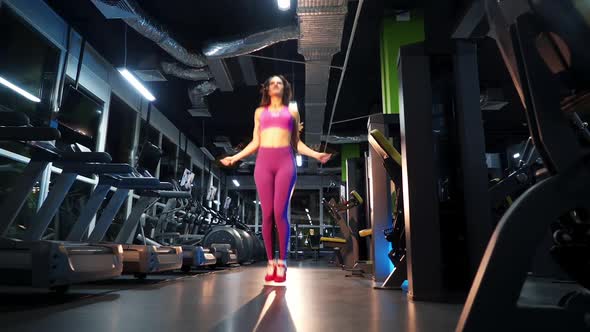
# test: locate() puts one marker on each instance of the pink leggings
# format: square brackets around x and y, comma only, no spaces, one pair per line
[275,174]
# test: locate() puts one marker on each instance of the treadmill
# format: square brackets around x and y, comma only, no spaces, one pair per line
[194,255]
[44,263]
[138,259]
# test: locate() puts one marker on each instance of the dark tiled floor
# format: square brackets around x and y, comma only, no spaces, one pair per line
[315,298]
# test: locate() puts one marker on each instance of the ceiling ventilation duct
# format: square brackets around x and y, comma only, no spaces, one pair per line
[113,9]
[197,95]
[319,32]
[196,70]
[150,75]
[187,73]
[248,44]
[321,23]
[135,17]
[150,29]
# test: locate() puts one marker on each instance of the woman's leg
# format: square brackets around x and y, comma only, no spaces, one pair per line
[283,189]
[264,178]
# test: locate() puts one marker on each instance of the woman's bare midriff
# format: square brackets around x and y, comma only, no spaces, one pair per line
[275,138]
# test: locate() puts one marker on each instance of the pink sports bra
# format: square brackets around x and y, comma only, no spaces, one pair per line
[282,119]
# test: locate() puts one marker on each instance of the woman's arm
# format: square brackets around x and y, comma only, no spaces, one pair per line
[251,148]
[303,149]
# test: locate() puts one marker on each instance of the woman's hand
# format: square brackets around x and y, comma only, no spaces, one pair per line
[323,157]
[300,126]
[228,161]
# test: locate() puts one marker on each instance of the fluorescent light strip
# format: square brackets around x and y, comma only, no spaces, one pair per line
[136,84]
[19,90]
[236,183]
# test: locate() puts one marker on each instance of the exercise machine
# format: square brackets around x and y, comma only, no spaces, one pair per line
[395,234]
[51,264]
[165,231]
[503,192]
[225,242]
[346,248]
[146,258]
[138,259]
[544,46]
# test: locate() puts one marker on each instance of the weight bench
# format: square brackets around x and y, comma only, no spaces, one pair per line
[337,243]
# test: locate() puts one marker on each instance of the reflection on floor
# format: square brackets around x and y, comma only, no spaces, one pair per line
[315,298]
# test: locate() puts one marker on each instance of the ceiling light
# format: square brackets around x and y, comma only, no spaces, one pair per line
[299,160]
[19,90]
[516,155]
[136,84]
[284,4]
[236,183]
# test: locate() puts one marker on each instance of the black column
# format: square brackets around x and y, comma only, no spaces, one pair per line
[421,208]
[471,144]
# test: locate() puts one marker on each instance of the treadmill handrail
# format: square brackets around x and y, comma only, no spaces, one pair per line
[28,134]
[174,194]
[98,168]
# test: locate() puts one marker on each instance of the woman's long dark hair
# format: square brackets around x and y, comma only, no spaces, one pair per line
[287,91]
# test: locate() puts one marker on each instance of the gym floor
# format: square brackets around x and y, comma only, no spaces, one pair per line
[315,298]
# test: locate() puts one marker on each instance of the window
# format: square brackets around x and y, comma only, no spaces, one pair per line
[184,162]
[243,205]
[168,163]
[305,207]
[304,238]
[30,62]
[120,131]
[198,182]
[69,210]
[120,217]
[149,133]
[233,208]
[79,118]
[216,203]
[331,228]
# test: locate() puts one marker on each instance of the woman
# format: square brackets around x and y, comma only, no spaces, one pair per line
[276,134]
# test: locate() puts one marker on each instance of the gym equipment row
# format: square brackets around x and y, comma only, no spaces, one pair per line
[35,262]
[194,223]
[347,247]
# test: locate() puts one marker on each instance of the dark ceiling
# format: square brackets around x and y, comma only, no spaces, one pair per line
[193,23]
